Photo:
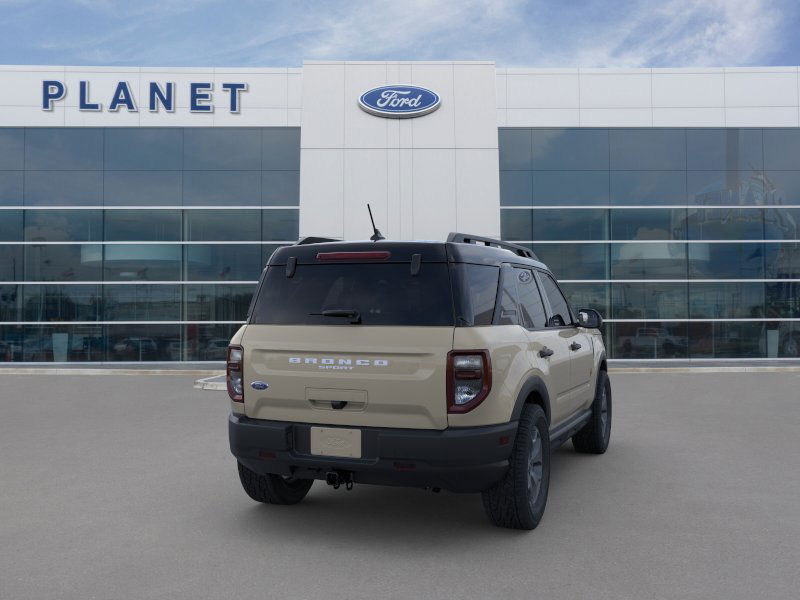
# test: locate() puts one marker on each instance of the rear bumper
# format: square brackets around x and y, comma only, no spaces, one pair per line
[461,460]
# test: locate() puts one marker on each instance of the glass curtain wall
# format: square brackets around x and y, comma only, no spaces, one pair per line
[138,244]
[685,240]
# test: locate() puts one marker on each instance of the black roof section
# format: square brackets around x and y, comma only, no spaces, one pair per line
[459,247]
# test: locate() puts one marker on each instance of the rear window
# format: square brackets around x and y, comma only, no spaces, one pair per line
[383,294]
[477,293]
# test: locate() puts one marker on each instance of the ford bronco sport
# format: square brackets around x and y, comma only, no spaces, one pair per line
[456,365]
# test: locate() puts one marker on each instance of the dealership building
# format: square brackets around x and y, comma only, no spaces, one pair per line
[138,206]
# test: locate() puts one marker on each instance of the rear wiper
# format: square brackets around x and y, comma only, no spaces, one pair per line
[353,315]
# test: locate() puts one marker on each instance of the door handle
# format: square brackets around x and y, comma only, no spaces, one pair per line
[574,346]
[545,352]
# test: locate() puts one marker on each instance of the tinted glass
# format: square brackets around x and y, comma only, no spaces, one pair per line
[782,149]
[570,149]
[232,262]
[10,226]
[221,148]
[530,300]
[648,261]
[648,149]
[783,340]
[142,302]
[218,302]
[221,188]
[222,225]
[726,224]
[11,264]
[280,148]
[143,342]
[280,188]
[556,188]
[142,188]
[575,261]
[782,299]
[730,188]
[143,148]
[515,149]
[146,262]
[382,294]
[724,149]
[726,300]
[637,300]
[588,295]
[648,187]
[11,189]
[63,148]
[10,305]
[280,224]
[516,188]
[63,225]
[559,309]
[783,187]
[559,224]
[12,148]
[477,292]
[207,342]
[649,224]
[65,188]
[650,339]
[516,224]
[68,262]
[727,340]
[142,225]
[62,302]
[507,301]
[726,261]
[62,343]
[782,261]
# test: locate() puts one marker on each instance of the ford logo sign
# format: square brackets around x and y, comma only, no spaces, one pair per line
[259,385]
[399,101]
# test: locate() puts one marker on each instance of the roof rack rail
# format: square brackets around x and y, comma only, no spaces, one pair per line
[466,238]
[315,240]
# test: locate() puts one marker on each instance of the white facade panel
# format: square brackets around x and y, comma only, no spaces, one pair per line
[542,117]
[476,181]
[615,90]
[438,129]
[433,208]
[616,117]
[761,116]
[326,190]
[760,89]
[543,90]
[689,117]
[362,130]
[474,106]
[689,90]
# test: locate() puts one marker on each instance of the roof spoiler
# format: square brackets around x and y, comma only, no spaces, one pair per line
[466,238]
[315,240]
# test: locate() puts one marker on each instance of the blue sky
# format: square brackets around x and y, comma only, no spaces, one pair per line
[586,33]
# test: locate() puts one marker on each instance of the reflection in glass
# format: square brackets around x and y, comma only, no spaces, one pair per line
[726,300]
[222,225]
[648,261]
[515,149]
[727,340]
[142,225]
[637,300]
[516,224]
[280,224]
[63,188]
[62,343]
[724,149]
[233,262]
[63,225]
[783,299]
[575,261]
[208,342]
[782,148]
[142,188]
[587,295]
[731,188]
[68,262]
[648,149]
[782,260]
[570,149]
[557,224]
[142,302]
[221,148]
[11,263]
[726,261]
[221,188]
[218,302]
[63,148]
[280,148]
[557,188]
[783,340]
[648,187]
[726,224]
[11,188]
[62,303]
[10,305]
[280,188]
[10,226]
[649,224]
[516,188]
[143,148]
[153,262]
[143,342]
[12,148]
[651,339]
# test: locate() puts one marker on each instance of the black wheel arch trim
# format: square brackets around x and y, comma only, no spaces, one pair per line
[533,384]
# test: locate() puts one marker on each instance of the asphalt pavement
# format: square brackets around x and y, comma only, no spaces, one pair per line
[115,486]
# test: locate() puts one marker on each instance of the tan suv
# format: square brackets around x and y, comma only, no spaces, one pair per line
[456,365]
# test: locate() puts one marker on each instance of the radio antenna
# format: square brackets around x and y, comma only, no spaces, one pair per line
[377,235]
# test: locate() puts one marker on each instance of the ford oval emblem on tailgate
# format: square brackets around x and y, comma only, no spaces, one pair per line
[259,385]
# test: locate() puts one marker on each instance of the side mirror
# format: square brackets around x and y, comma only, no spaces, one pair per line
[589,318]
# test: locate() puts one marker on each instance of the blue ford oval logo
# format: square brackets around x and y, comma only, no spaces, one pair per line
[399,101]
[259,385]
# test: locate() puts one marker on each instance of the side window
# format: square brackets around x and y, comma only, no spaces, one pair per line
[508,299]
[558,303]
[530,301]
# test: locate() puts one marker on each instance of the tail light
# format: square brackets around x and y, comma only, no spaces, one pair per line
[469,379]
[234,373]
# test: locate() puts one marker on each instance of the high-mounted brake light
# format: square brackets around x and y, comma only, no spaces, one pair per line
[366,255]
[234,373]
[469,379]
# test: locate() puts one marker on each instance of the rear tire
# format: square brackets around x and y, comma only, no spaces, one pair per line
[273,489]
[518,500]
[595,435]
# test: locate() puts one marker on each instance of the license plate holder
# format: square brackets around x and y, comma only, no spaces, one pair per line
[336,441]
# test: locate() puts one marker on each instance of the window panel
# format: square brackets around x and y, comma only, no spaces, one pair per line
[11,188]
[142,302]
[10,226]
[280,148]
[143,342]
[649,224]
[575,261]
[142,188]
[11,339]
[559,308]
[63,148]
[63,225]
[236,262]
[648,149]
[587,295]
[516,224]
[726,224]
[153,262]
[62,303]
[730,188]
[637,300]
[781,223]
[726,261]
[648,187]
[651,339]
[727,340]
[582,224]
[64,188]
[142,225]
[555,188]
[724,149]
[474,292]
[221,188]
[280,188]
[218,302]
[782,148]
[648,261]
[516,188]
[143,148]
[783,187]
[782,261]
[68,262]
[570,149]
[509,309]
[783,341]
[222,225]
[63,343]
[11,263]
[782,299]
[208,342]
[10,308]
[267,250]
[280,224]
[515,149]
[12,148]
[221,148]
[726,300]
[530,300]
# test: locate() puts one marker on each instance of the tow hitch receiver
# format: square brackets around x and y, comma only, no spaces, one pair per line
[338,478]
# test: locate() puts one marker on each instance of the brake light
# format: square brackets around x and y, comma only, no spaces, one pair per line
[469,379]
[234,373]
[366,255]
